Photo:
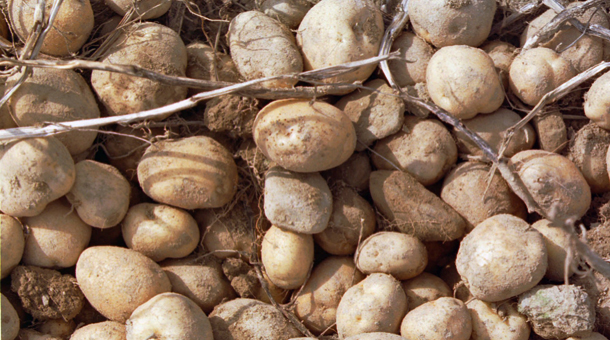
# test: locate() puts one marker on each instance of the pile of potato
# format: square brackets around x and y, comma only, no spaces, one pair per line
[349,216]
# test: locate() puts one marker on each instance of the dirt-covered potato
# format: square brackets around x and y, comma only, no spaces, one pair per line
[149,45]
[588,149]
[400,255]
[424,148]
[503,54]
[423,288]
[500,242]
[10,319]
[415,54]
[144,9]
[335,32]
[106,330]
[597,105]
[190,173]
[497,321]
[71,27]
[33,172]
[376,304]
[225,232]
[288,12]
[537,71]
[287,257]
[207,64]
[463,80]
[445,22]
[554,182]
[12,242]
[304,136]
[316,305]
[263,47]
[354,172]
[557,243]
[551,130]
[435,320]
[117,280]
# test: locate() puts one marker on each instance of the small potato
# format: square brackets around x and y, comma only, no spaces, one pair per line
[30,334]
[497,321]
[588,149]
[463,80]
[10,319]
[425,288]
[207,64]
[551,130]
[59,328]
[557,241]
[415,54]
[263,47]
[13,243]
[354,172]
[287,257]
[503,54]
[303,136]
[225,232]
[160,231]
[597,105]
[443,318]
[400,255]
[288,12]
[107,330]
[144,9]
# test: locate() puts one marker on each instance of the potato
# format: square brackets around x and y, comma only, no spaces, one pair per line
[71,27]
[33,172]
[207,64]
[117,280]
[536,72]
[588,149]
[144,9]
[445,23]
[225,232]
[106,330]
[245,281]
[554,182]
[316,305]
[168,316]
[593,336]
[287,257]
[597,106]
[57,328]
[10,319]
[551,130]
[354,172]
[423,288]
[189,173]
[424,148]
[303,136]
[443,318]
[497,321]
[149,45]
[500,242]
[13,243]
[288,12]
[376,304]
[503,54]
[450,275]
[415,54]
[557,241]
[400,255]
[375,336]
[30,334]
[335,32]
[56,224]
[263,47]
[463,80]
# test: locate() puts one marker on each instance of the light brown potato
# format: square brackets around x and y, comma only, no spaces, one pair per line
[375,336]
[288,12]
[145,9]
[303,136]
[57,328]
[423,288]
[10,319]
[593,336]
[13,243]
[588,149]
[207,64]
[597,105]
[354,172]
[117,280]
[106,330]
[30,334]
[189,173]
[224,232]
[287,257]
[443,318]
[463,80]
[551,130]
[557,243]
[30,162]
[503,54]
[415,54]
[500,242]
[497,321]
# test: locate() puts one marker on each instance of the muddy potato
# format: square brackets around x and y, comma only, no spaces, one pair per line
[145,9]
[551,130]
[10,319]
[557,243]
[303,136]
[503,54]
[597,104]
[117,280]
[443,318]
[354,172]
[415,54]
[13,243]
[463,80]
[287,257]
[288,12]
[588,149]
[207,64]
[106,330]
[423,288]
[499,321]
[225,232]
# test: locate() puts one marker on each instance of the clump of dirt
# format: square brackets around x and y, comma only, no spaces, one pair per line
[233,115]
[245,282]
[598,239]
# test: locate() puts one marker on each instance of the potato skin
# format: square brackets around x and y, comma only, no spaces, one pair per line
[13,243]
[597,104]
[443,318]
[417,52]
[497,321]
[287,257]
[423,288]
[107,330]
[557,243]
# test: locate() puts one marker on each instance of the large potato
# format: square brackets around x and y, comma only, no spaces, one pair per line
[13,243]
[287,257]
[499,321]
[442,319]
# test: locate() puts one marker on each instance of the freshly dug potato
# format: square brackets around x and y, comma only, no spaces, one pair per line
[445,23]
[597,105]
[207,64]
[551,130]
[149,45]
[537,71]
[287,257]
[189,173]
[12,241]
[415,54]
[144,9]
[316,305]
[33,172]
[117,280]
[588,149]
[424,148]
[557,243]
[497,321]
[554,182]
[288,12]
[225,232]
[500,242]
[503,54]
[298,202]
[423,288]
[400,255]
[107,330]
[443,318]
[56,225]
[354,172]
[303,136]
[335,32]
[71,27]
[168,316]
[376,304]
[10,319]
[463,80]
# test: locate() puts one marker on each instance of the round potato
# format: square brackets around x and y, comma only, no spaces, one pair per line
[557,241]
[288,12]
[415,54]
[106,330]
[423,288]
[12,241]
[497,321]
[435,320]
[10,319]
[597,105]
[287,257]
[144,9]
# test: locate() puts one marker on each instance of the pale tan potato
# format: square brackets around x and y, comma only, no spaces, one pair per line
[588,149]
[597,105]
[445,318]
[117,280]
[423,288]
[12,242]
[445,23]
[207,64]
[225,232]
[500,242]
[551,130]
[287,257]
[316,305]
[263,47]
[288,12]
[503,54]
[463,80]
[354,172]
[304,136]
[335,32]
[59,328]
[57,224]
[10,319]
[537,71]
[24,166]
[189,173]
[144,9]
[415,54]
[71,27]
[499,321]
[400,255]
[424,148]
[557,243]
[168,316]
[106,330]
[554,182]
